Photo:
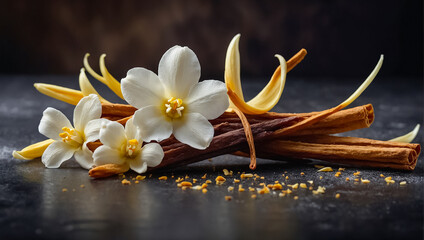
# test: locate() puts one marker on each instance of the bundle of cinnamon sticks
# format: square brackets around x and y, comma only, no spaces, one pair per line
[280,136]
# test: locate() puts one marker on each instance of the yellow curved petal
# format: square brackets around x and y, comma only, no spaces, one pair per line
[409,137]
[91,71]
[35,150]
[87,88]
[267,98]
[364,85]
[64,94]
[111,82]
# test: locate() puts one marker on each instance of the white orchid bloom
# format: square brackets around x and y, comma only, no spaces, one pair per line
[174,102]
[124,146]
[71,141]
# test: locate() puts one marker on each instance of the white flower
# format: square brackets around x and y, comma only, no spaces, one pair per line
[174,102]
[71,141]
[124,146]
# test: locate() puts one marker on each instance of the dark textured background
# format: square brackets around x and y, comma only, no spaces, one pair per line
[343,38]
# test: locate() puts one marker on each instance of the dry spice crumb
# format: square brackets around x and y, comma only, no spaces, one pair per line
[246,175]
[357,173]
[326,169]
[179,185]
[204,185]
[163,178]
[241,189]
[270,185]
[320,177]
[341,169]
[402,183]
[302,174]
[230,189]
[381,175]
[227,173]
[347,179]
[228,198]
[295,197]
[186,184]
[180,179]
[337,195]
[264,190]
[251,189]
[125,182]
[337,174]
[150,175]
[187,177]
[197,187]
[236,181]
[64,189]
[204,190]
[172,176]
[281,194]
[140,177]
[356,179]
[277,186]
[82,186]
[184,187]
[287,177]
[137,182]
[220,180]
[208,182]
[320,190]
[365,181]
[294,186]
[389,180]
[311,182]
[303,185]
[311,188]
[204,176]
[318,166]
[194,180]
[253,196]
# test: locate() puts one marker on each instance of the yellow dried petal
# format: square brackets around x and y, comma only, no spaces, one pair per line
[87,88]
[32,151]
[111,82]
[63,94]
[409,137]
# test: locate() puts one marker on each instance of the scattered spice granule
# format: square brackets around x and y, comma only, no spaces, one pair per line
[194,180]
[311,182]
[381,175]
[282,194]
[241,189]
[287,177]
[187,177]
[228,198]
[356,179]
[236,180]
[184,187]
[230,189]
[220,180]
[140,177]
[356,173]
[295,197]
[402,183]
[337,174]
[253,196]
[311,188]
[262,178]
[264,190]
[365,181]
[276,181]
[246,175]
[197,187]
[186,184]
[270,185]
[326,169]
[204,176]
[251,189]
[179,185]
[180,179]
[337,195]
[302,174]
[294,186]
[262,184]
[320,177]
[163,178]
[320,190]
[288,191]
[347,179]
[150,175]
[303,185]
[318,166]
[64,189]
[227,173]
[208,182]
[82,186]
[204,185]
[137,182]
[277,186]
[172,176]
[204,190]
[389,180]
[125,182]
[341,169]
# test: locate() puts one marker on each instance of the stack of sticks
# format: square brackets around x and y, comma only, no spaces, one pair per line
[308,141]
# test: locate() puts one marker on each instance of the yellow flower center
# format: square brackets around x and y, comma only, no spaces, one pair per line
[132,148]
[71,137]
[174,107]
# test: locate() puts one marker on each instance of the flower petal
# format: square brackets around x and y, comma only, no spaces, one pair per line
[153,124]
[138,165]
[113,135]
[106,155]
[194,130]
[32,151]
[152,154]
[57,153]
[84,157]
[132,131]
[92,129]
[87,109]
[208,98]
[179,70]
[142,87]
[52,122]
